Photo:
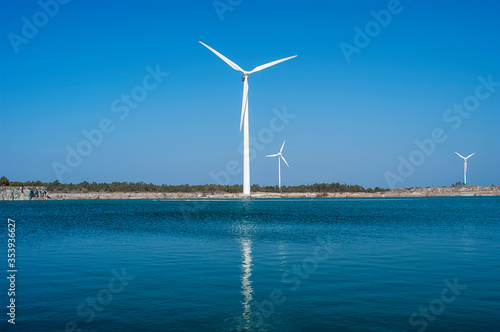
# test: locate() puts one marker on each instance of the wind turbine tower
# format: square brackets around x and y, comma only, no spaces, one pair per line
[280,156]
[244,111]
[465,165]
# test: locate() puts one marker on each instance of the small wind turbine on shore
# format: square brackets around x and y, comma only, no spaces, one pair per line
[465,165]
[280,156]
[244,111]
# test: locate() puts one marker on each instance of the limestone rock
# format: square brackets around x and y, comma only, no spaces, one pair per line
[23,193]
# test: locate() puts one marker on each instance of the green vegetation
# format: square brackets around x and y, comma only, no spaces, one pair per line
[85,186]
[4,181]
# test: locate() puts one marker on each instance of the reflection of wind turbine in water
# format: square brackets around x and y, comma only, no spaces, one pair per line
[246,283]
[282,253]
[245,230]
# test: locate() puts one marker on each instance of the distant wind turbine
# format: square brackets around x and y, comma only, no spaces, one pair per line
[244,111]
[280,156]
[465,165]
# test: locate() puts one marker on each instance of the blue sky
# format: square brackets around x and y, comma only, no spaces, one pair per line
[351,119]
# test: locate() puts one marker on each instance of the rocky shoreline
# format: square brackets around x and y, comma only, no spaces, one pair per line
[414,192]
[23,193]
[41,193]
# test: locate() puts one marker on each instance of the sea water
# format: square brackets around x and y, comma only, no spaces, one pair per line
[381,264]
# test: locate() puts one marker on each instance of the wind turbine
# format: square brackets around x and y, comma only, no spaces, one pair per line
[280,156]
[244,111]
[465,165]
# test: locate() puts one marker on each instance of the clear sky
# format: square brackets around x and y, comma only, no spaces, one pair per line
[371,78]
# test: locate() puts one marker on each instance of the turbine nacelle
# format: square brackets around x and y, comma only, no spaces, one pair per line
[244,111]
[280,156]
[465,158]
[244,78]
[465,165]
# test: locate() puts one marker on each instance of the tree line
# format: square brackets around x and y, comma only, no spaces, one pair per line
[85,186]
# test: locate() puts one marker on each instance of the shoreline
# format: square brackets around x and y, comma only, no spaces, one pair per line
[414,192]
[42,194]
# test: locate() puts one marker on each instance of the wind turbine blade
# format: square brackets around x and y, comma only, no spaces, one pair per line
[244,102]
[471,155]
[226,60]
[460,155]
[272,155]
[282,146]
[261,67]
[284,160]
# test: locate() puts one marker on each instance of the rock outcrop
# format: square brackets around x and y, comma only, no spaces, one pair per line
[412,192]
[23,193]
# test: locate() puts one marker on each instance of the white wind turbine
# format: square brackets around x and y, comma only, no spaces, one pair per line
[244,111]
[280,156]
[465,166]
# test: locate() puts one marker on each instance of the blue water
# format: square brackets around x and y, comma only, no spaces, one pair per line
[400,264]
